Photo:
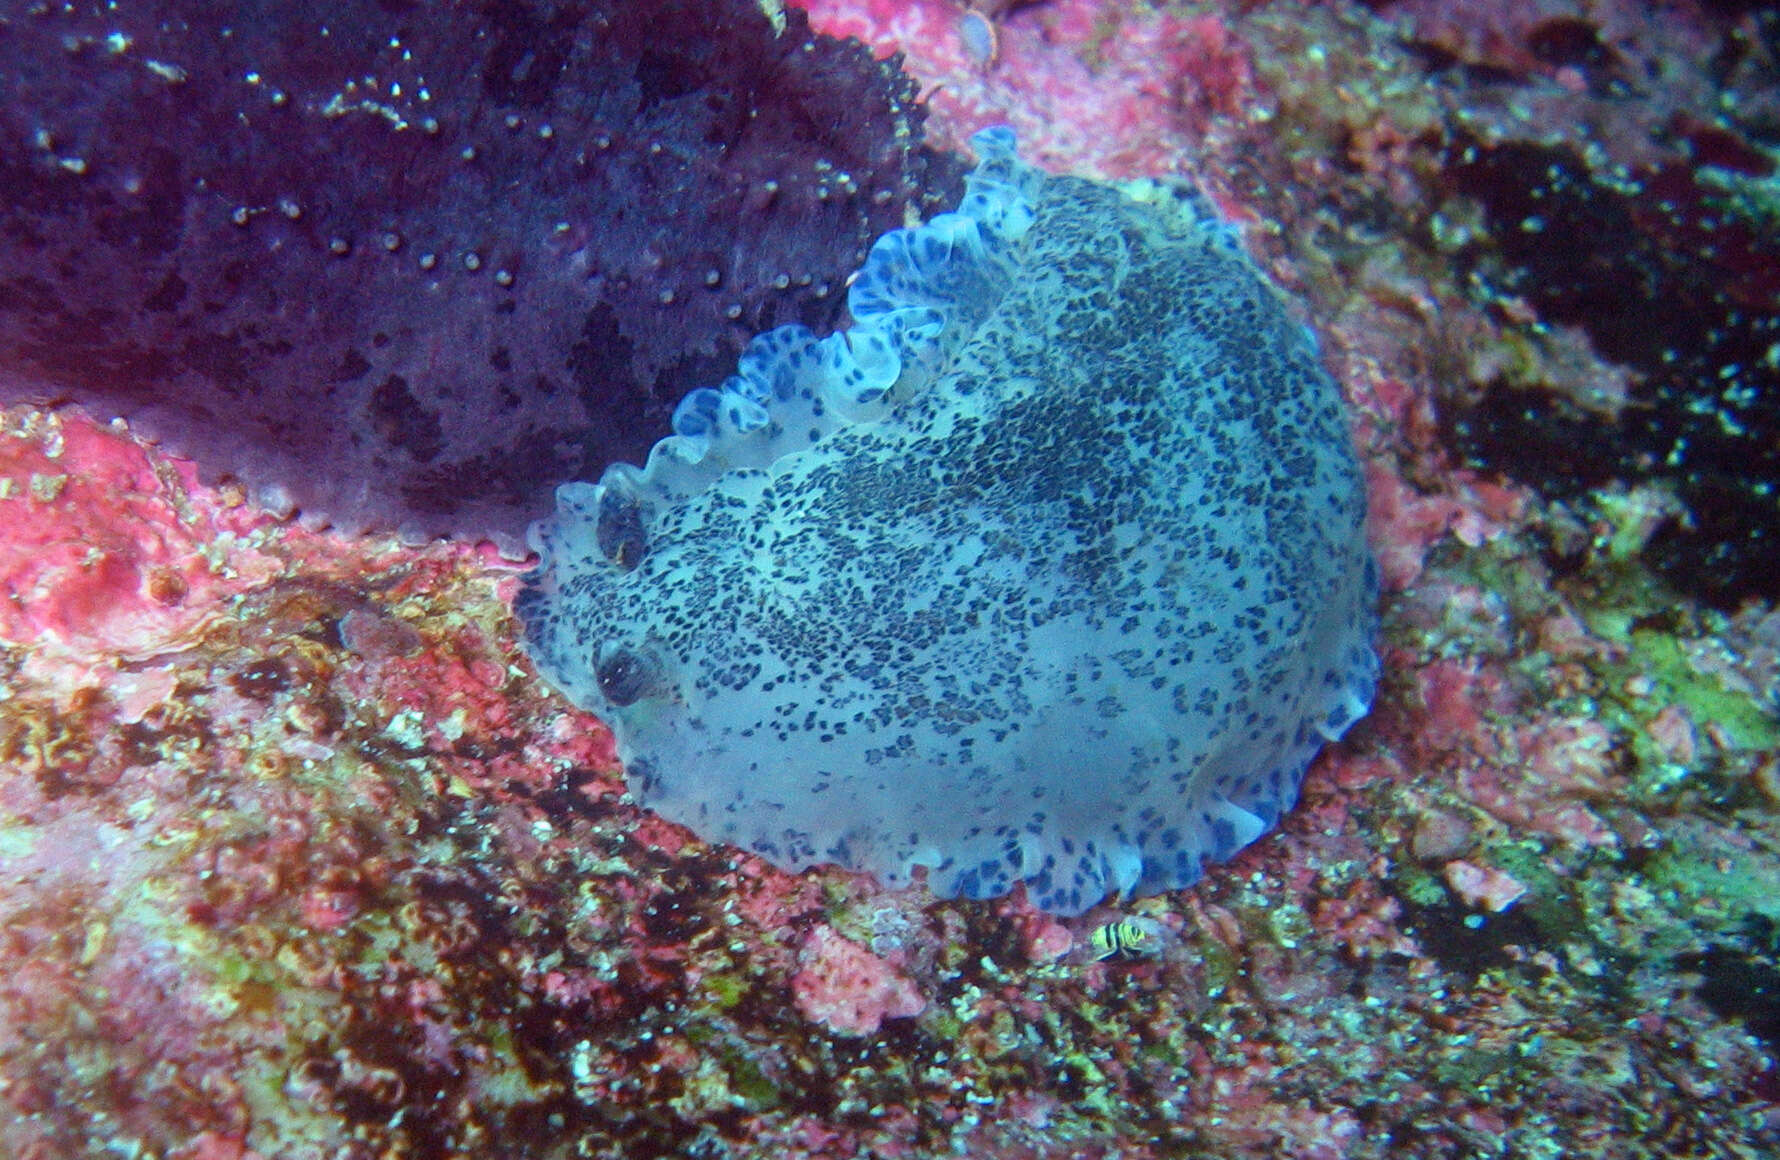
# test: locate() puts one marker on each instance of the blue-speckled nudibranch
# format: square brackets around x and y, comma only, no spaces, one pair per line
[1050,569]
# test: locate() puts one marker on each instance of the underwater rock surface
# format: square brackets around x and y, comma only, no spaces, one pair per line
[1051,569]
[411,267]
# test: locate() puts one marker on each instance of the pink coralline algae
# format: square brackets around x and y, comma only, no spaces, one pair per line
[107,548]
[845,987]
[1117,91]
[298,860]
[1483,887]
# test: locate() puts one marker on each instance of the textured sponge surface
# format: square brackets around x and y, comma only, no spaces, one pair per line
[1051,569]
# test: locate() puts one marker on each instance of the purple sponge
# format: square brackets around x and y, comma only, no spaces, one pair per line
[410,266]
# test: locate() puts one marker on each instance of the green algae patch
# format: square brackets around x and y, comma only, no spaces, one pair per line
[1699,882]
[1549,900]
[1418,887]
[750,1085]
[1218,965]
[1743,722]
[725,991]
[942,1024]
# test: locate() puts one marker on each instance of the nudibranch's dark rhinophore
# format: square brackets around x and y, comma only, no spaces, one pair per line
[1051,569]
[412,265]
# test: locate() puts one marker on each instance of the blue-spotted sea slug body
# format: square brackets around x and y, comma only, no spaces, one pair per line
[1049,569]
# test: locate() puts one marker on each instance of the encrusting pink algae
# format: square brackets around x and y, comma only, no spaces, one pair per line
[298,857]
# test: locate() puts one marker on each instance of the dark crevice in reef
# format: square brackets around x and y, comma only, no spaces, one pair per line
[1740,979]
[1670,278]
